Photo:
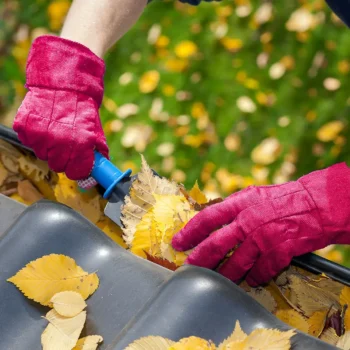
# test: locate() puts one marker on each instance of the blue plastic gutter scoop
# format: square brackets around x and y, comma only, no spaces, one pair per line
[116,184]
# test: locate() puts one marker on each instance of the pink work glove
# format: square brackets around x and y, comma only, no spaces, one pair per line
[59,117]
[271,225]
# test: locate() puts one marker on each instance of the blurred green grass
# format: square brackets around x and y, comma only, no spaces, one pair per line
[192,122]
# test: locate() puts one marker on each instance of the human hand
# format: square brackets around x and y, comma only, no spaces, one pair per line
[59,117]
[270,225]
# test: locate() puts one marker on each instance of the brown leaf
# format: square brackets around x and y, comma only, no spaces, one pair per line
[162,262]
[263,297]
[28,192]
[329,336]
[3,174]
[310,298]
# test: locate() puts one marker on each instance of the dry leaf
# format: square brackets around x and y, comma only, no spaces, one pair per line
[293,319]
[150,343]
[317,323]
[329,336]
[310,298]
[263,297]
[3,174]
[237,336]
[262,339]
[162,262]
[28,192]
[141,198]
[68,304]
[62,333]
[193,343]
[344,341]
[41,279]
[197,195]
[66,192]
[112,230]
[10,163]
[31,166]
[88,343]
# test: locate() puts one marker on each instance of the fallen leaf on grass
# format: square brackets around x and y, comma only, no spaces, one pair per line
[41,279]
[62,333]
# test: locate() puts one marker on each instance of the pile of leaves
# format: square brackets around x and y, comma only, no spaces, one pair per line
[158,208]
[259,339]
[27,179]
[58,282]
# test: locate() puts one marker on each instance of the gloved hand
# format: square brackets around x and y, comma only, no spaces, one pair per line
[271,225]
[59,117]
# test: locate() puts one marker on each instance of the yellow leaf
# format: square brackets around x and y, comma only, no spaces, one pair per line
[67,192]
[68,304]
[330,131]
[142,239]
[272,339]
[267,151]
[149,81]
[41,279]
[311,298]
[329,336]
[141,198]
[293,319]
[175,65]
[32,166]
[112,230]
[62,333]
[347,319]
[193,343]
[317,322]
[186,49]
[345,296]
[88,343]
[18,198]
[150,343]
[263,297]
[237,336]
[198,195]
[344,341]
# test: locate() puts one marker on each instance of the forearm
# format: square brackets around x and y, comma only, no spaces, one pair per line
[99,24]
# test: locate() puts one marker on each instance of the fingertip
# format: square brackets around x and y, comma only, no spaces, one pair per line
[80,168]
[177,242]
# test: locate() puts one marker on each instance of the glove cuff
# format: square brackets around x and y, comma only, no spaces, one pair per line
[61,64]
[330,190]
